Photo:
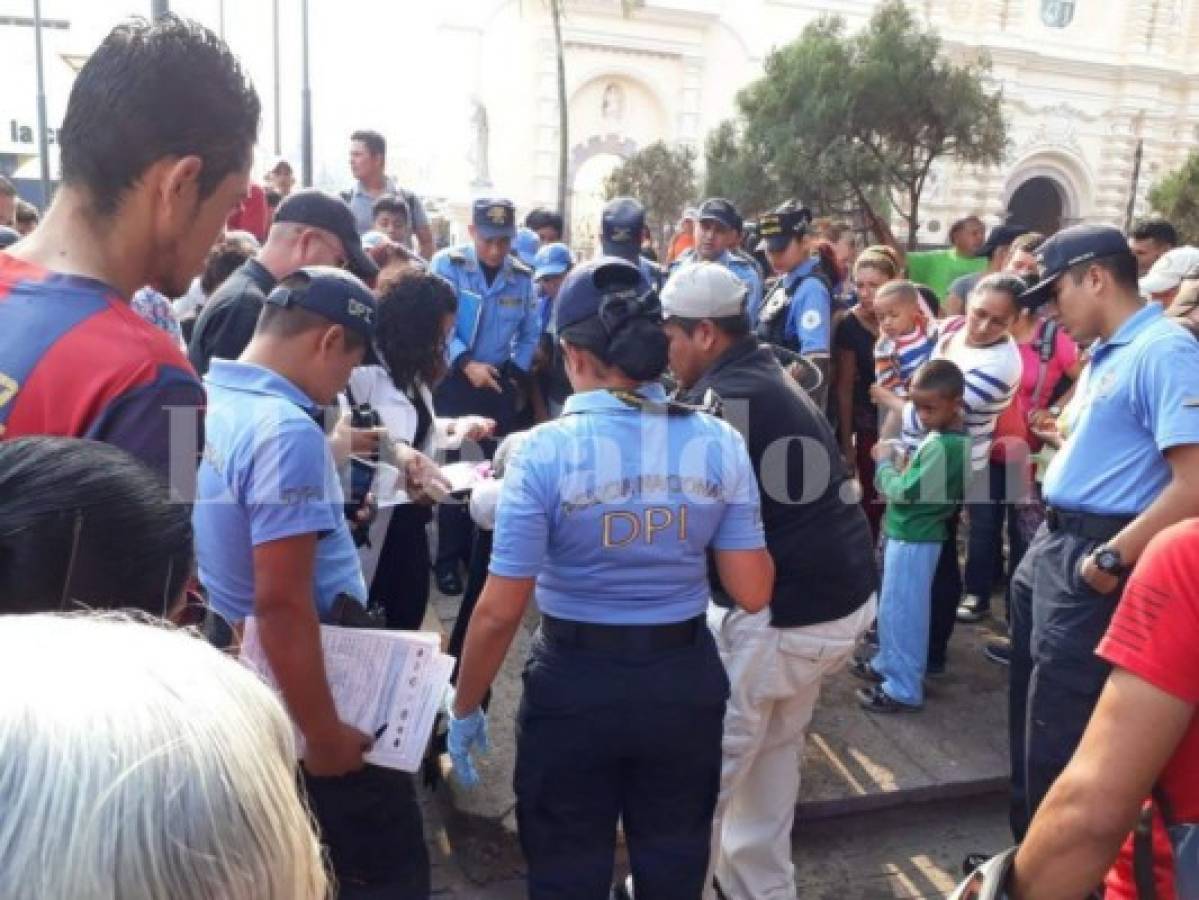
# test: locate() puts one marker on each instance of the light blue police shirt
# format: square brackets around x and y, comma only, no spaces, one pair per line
[267,474]
[810,315]
[497,322]
[1139,397]
[745,272]
[612,510]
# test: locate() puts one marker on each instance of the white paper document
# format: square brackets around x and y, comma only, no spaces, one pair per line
[387,684]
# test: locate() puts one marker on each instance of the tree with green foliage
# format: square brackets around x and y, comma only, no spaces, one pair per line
[662,178]
[1176,197]
[856,121]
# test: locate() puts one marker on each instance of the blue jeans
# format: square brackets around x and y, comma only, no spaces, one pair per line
[903,616]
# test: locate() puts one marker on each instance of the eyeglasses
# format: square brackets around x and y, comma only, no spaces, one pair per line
[620,307]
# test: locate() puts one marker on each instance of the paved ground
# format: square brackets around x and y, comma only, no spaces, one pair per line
[898,854]
[956,746]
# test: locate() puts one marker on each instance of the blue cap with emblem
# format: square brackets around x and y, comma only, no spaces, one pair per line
[551,260]
[494,218]
[722,211]
[621,228]
[1069,248]
[777,229]
[526,246]
[597,283]
[331,293]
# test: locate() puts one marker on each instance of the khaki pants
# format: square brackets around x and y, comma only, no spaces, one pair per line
[775,676]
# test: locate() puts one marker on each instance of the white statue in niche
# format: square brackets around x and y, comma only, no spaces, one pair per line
[613,103]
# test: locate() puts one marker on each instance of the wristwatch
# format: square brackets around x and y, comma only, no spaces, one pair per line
[1108,559]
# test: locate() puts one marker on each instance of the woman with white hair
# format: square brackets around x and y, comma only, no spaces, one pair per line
[138,762]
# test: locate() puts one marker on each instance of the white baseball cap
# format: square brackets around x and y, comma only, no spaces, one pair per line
[1170,269]
[703,290]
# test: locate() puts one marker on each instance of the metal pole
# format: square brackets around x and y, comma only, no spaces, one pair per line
[278,101]
[42,141]
[159,8]
[1136,178]
[221,19]
[305,102]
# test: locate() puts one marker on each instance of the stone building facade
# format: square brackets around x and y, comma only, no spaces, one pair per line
[1085,82]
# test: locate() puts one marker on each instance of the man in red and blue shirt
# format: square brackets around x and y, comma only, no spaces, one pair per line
[156,148]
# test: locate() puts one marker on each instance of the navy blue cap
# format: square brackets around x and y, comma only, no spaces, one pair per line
[590,284]
[552,259]
[317,209]
[494,218]
[778,228]
[722,211]
[1000,236]
[331,293]
[1069,248]
[526,245]
[621,228]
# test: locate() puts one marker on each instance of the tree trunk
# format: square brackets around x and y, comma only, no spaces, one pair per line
[914,218]
[563,119]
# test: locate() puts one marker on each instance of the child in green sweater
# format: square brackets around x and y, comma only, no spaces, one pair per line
[921,497]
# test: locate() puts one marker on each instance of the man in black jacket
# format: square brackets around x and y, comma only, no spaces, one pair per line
[824,588]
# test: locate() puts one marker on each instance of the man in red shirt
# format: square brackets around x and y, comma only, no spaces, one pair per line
[1143,736]
[156,149]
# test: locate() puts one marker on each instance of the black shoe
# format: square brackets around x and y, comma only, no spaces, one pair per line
[870,637]
[875,699]
[999,651]
[974,861]
[448,582]
[973,609]
[862,669]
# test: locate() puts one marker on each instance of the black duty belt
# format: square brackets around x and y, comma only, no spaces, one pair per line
[590,636]
[1086,525]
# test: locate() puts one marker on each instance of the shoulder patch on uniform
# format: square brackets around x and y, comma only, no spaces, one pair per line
[456,256]
[519,266]
[811,319]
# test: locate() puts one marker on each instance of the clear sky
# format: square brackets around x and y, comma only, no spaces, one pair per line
[373,64]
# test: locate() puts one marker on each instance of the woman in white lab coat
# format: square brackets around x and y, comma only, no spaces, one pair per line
[416,315]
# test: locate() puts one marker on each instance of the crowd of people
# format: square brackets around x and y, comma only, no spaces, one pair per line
[722,473]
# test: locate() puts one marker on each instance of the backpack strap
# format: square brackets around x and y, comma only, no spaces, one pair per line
[1142,854]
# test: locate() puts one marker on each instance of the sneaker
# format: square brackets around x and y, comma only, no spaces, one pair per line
[448,582]
[974,861]
[862,669]
[870,637]
[973,609]
[875,699]
[999,651]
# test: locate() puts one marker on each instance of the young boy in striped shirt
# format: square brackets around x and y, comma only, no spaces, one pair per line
[907,336]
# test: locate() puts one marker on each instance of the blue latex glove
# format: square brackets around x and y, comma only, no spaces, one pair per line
[466,733]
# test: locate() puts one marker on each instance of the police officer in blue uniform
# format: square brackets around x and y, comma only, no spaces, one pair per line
[798,313]
[718,240]
[611,512]
[622,229]
[1128,469]
[491,349]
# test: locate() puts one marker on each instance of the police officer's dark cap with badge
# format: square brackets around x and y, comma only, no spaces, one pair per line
[494,218]
[717,209]
[621,228]
[787,223]
[1067,249]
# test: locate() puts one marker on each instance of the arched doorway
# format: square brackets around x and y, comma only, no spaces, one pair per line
[1039,204]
